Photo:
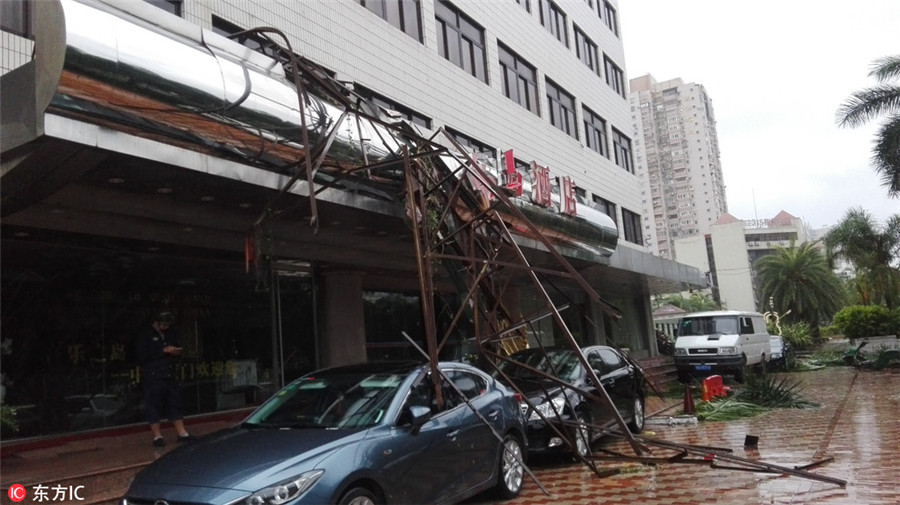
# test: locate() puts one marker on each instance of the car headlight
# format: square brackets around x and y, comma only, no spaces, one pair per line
[728,350]
[549,409]
[285,491]
[680,351]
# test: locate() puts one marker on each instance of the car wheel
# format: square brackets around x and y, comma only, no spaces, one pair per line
[358,496]
[510,469]
[581,435]
[637,421]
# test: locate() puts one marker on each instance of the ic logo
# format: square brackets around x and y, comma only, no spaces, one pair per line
[17,492]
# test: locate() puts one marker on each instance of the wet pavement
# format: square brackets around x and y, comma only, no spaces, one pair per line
[857,424]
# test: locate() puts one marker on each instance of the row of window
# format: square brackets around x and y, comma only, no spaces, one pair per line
[554,20]
[461,40]
[550,11]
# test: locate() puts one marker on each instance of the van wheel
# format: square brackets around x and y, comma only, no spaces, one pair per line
[740,375]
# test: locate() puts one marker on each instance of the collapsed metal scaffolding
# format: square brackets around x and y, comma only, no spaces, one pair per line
[466,220]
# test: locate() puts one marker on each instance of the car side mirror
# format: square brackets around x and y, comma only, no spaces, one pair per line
[419,415]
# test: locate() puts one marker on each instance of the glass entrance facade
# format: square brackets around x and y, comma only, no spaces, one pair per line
[72,307]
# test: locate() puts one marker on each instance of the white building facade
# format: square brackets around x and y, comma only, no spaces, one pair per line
[730,249]
[677,154]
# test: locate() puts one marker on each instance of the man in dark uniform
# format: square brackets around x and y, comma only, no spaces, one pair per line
[158,351]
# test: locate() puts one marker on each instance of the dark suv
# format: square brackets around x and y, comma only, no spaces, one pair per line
[569,410]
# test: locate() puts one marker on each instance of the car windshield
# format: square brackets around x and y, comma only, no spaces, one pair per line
[563,364]
[694,326]
[330,401]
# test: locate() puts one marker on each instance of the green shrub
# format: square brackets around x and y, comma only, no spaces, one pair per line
[862,321]
[798,334]
[829,331]
[773,392]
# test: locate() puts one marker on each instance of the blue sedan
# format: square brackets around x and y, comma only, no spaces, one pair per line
[355,435]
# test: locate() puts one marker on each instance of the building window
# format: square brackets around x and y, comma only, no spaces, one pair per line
[554,20]
[526,4]
[403,14]
[622,150]
[595,132]
[611,18]
[460,40]
[261,44]
[631,225]
[16,17]
[605,206]
[519,79]
[562,109]
[587,51]
[387,103]
[615,78]
[170,6]
[522,167]
[480,149]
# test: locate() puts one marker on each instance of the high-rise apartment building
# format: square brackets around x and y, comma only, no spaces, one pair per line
[677,155]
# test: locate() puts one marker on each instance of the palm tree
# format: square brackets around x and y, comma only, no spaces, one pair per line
[799,279]
[874,252]
[867,104]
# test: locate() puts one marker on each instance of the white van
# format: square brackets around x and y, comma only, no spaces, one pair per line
[721,342]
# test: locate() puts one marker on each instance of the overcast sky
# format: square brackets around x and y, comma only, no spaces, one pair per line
[776,71]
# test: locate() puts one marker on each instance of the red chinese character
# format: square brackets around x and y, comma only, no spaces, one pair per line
[513,178]
[540,185]
[567,197]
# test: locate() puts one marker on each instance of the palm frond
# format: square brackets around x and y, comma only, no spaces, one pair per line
[866,105]
[886,68]
[886,157]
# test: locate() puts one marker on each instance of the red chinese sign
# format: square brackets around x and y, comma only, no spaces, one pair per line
[513,178]
[567,196]
[540,185]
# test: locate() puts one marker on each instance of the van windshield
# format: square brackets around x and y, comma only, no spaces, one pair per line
[713,325]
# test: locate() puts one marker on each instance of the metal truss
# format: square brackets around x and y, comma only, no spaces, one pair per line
[466,223]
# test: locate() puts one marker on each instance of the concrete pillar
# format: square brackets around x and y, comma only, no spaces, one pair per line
[343,320]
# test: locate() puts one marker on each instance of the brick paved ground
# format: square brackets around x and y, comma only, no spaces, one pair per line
[858,425]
